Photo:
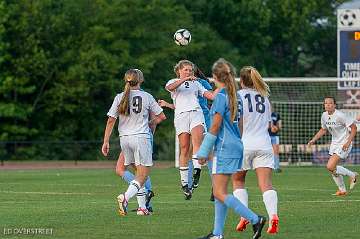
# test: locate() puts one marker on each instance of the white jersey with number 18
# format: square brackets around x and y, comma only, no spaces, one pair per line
[256,118]
[137,122]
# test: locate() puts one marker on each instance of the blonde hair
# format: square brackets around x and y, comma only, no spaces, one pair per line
[132,77]
[251,78]
[181,64]
[225,73]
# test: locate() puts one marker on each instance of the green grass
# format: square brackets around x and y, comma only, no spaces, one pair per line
[81,204]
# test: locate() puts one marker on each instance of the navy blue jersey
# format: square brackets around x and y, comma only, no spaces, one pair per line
[275,117]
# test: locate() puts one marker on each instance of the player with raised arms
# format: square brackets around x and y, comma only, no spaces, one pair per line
[224,137]
[258,152]
[189,119]
[133,107]
[337,124]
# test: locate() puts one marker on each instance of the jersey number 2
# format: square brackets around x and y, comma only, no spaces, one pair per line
[137,104]
[259,106]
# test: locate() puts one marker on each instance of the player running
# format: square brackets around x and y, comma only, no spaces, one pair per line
[343,131]
[133,107]
[258,152]
[224,137]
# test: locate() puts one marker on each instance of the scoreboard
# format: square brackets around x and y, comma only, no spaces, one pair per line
[349,48]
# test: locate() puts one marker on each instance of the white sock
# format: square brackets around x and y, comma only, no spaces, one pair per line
[132,190]
[242,195]
[344,171]
[270,200]
[184,177]
[196,162]
[141,198]
[339,181]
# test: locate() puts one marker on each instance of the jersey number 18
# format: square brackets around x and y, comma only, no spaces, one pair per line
[260,103]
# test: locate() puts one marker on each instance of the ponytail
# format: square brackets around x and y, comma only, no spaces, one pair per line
[251,78]
[225,72]
[124,103]
[132,78]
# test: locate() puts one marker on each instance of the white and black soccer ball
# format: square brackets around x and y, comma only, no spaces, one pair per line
[347,18]
[182,37]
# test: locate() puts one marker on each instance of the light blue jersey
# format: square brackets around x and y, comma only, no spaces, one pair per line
[204,103]
[228,143]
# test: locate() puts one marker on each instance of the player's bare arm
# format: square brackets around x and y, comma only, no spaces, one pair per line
[317,136]
[109,127]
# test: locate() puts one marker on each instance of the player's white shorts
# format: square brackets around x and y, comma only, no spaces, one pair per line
[186,121]
[137,150]
[337,149]
[258,159]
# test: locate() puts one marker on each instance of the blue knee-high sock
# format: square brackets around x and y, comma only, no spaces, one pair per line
[190,174]
[128,176]
[210,164]
[147,185]
[220,218]
[277,161]
[240,209]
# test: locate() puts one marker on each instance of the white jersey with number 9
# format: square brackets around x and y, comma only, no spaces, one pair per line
[137,122]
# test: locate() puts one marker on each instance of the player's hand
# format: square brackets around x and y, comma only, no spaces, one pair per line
[311,142]
[202,161]
[274,129]
[346,146]
[358,118]
[162,103]
[105,148]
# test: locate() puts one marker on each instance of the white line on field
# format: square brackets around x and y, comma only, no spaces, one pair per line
[47,193]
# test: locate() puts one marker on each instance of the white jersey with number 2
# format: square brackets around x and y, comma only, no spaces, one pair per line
[256,118]
[185,97]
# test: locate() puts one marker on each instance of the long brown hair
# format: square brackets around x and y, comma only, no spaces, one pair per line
[251,78]
[225,73]
[132,77]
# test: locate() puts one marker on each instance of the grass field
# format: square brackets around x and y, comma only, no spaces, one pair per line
[78,203]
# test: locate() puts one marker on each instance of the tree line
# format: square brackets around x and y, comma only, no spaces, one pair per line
[62,61]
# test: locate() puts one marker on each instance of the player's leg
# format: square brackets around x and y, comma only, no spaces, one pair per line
[270,198]
[184,140]
[191,166]
[121,169]
[276,150]
[337,173]
[197,134]
[240,192]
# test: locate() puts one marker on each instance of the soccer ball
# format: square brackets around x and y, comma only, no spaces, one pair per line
[347,18]
[182,37]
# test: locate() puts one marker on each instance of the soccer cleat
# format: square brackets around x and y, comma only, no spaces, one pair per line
[340,193]
[257,228]
[142,212]
[150,194]
[241,226]
[274,225]
[123,203]
[187,192]
[196,177]
[212,236]
[353,181]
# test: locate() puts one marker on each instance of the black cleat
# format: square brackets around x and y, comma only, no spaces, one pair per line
[257,228]
[212,198]
[187,192]
[196,177]
[211,236]
[150,194]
